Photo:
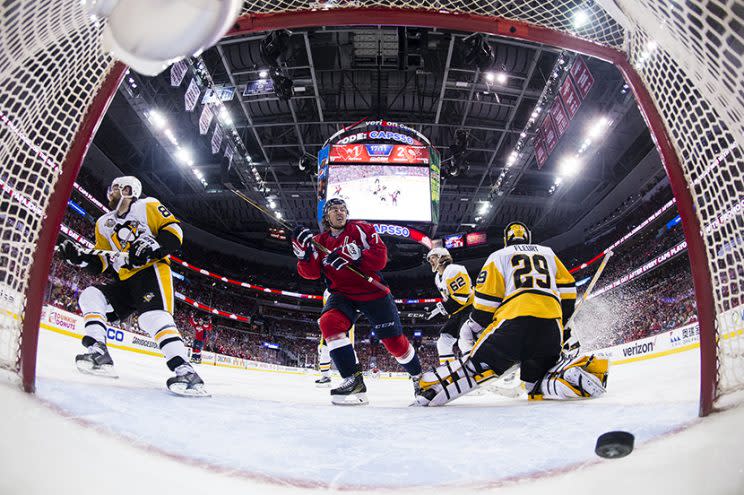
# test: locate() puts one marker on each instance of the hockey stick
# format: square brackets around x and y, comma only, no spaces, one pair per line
[572,345]
[317,246]
[100,252]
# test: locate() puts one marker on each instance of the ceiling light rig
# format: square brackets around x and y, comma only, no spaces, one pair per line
[545,99]
[241,152]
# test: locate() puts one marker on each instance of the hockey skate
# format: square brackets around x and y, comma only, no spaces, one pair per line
[186,383]
[97,361]
[351,392]
[196,358]
[323,382]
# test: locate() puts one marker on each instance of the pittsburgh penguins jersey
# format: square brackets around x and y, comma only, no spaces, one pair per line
[456,288]
[524,280]
[146,216]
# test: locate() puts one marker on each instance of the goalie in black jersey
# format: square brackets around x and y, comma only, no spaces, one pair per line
[523,297]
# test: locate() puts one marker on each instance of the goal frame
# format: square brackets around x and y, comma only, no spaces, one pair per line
[494,25]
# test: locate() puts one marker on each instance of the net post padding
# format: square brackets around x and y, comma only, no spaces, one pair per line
[529,32]
[55,212]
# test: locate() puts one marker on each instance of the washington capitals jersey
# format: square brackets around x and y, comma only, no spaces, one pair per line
[344,281]
[524,280]
[146,217]
[456,288]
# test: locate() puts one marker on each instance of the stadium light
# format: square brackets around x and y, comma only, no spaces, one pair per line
[580,18]
[570,166]
[490,76]
[157,119]
[558,180]
[263,74]
[501,78]
[272,205]
[225,116]
[171,137]
[278,215]
[184,155]
[598,127]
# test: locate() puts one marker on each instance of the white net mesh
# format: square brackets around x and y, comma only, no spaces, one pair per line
[689,56]
[51,67]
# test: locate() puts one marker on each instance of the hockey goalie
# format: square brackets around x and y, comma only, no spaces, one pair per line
[523,297]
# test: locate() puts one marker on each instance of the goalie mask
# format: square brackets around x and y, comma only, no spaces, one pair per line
[517,233]
[438,257]
[327,208]
[127,181]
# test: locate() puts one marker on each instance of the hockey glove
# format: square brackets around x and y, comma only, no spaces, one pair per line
[438,310]
[351,251]
[469,332]
[571,345]
[336,260]
[74,255]
[144,250]
[302,242]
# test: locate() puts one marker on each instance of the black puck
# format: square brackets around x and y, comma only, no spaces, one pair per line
[614,444]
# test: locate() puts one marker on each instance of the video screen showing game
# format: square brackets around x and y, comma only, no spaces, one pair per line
[382,192]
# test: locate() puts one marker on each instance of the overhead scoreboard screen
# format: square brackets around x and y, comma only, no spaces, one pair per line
[382,181]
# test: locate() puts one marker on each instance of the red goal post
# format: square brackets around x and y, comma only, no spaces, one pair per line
[683,63]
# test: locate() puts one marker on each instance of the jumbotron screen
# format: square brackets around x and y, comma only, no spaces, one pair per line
[382,192]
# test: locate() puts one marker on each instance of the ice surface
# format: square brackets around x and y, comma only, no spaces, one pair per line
[281,432]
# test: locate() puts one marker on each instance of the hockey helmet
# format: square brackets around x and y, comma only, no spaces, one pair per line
[443,256]
[330,204]
[517,233]
[121,182]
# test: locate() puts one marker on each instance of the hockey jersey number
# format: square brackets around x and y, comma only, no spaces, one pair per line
[525,265]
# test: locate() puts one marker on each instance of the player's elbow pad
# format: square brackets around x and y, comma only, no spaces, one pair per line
[169,242]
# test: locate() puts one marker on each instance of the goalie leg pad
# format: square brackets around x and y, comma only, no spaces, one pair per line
[445,343]
[450,381]
[581,378]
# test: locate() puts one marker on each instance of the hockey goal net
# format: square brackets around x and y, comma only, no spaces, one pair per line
[683,61]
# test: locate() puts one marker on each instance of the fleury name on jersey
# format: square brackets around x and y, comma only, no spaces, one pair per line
[523,280]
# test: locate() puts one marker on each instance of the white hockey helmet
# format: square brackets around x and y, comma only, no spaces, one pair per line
[441,253]
[122,182]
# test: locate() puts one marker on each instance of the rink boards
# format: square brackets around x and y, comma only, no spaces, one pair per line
[56,320]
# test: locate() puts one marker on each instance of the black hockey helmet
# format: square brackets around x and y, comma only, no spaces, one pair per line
[517,233]
[328,205]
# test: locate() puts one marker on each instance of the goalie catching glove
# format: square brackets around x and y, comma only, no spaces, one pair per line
[144,250]
[302,242]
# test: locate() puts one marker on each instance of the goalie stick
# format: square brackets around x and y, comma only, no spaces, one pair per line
[572,345]
[318,246]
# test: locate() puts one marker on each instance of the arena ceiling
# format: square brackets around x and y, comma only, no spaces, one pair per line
[420,77]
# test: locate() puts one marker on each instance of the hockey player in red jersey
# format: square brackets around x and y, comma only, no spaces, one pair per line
[201,326]
[356,244]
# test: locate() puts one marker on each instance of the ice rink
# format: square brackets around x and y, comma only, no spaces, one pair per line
[270,432]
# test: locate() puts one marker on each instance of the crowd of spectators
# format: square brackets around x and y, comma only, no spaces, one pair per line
[284,330]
